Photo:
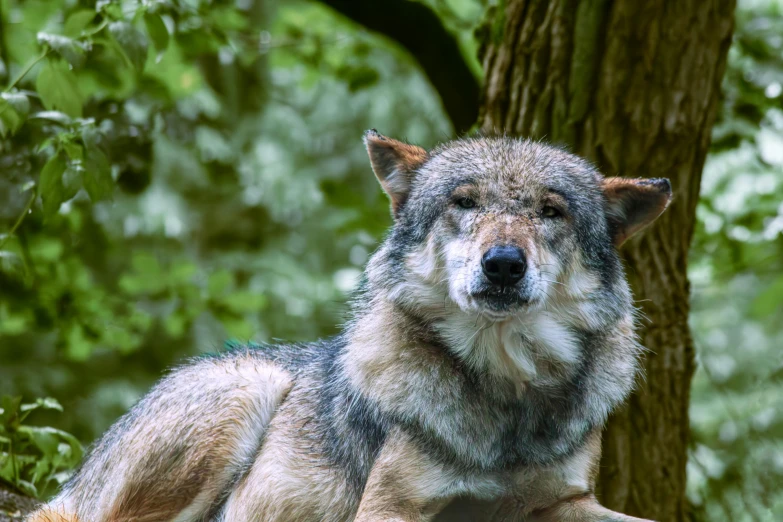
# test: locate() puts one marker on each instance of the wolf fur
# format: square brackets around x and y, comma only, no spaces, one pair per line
[442,387]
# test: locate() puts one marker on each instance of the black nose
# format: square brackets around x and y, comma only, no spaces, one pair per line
[504,265]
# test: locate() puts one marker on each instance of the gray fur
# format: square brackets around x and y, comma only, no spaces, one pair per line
[441,386]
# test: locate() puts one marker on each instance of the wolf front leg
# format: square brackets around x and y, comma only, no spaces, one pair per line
[580,509]
[584,508]
[175,453]
[405,484]
[562,492]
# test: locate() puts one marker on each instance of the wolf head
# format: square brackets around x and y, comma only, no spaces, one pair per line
[500,227]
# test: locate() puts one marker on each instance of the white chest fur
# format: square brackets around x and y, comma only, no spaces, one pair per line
[522,348]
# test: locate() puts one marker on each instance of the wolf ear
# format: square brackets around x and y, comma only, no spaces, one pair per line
[394,164]
[632,204]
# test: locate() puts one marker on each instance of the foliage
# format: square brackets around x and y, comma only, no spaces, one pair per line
[737,276]
[34,459]
[183,189]
[71,136]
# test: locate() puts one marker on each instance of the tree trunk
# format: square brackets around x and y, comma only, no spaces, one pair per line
[632,85]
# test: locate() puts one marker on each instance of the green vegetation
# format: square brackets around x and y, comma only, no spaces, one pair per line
[178,173]
[35,459]
[736,273]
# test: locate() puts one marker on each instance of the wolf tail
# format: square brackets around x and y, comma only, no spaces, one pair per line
[179,450]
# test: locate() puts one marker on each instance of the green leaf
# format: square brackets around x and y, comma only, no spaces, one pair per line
[10,121]
[27,488]
[72,179]
[183,272]
[40,470]
[55,116]
[10,414]
[62,477]
[219,282]
[358,78]
[96,176]
[70,49]
[58,88]
[132,42]
[47,403]
[158,32]
[237,328]
[48,440]
[244,301]
[768,301]
[51,185]
[111,8]
[50,403]
[174,325]
[42,438]
[19,102]
[47,249]
[14,107]
[74,150]
[78,347]
[77,21]
[12,266]
[77,451]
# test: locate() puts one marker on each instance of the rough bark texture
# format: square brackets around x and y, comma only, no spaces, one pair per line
[632,85]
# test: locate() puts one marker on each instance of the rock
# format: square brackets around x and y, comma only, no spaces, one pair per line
[14,507]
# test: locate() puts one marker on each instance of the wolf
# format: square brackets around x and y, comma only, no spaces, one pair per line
[491,336]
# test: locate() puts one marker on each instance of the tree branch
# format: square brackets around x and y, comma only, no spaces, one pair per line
[419,30]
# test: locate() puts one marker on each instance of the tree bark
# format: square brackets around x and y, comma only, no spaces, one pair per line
[633,86]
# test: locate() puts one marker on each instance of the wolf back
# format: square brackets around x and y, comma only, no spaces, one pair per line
[490,338]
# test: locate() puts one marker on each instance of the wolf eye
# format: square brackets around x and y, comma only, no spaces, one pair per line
[465,202]
[550,212]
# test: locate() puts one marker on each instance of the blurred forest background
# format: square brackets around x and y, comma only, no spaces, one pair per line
[179,173]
